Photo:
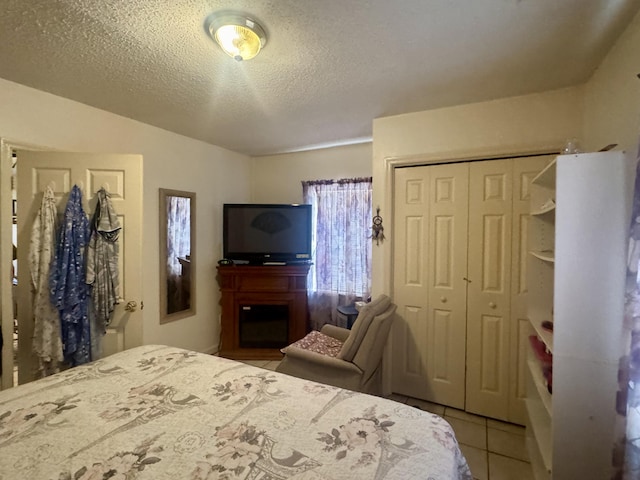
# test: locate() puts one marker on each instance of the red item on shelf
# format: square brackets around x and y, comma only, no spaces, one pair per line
[540,350]
[548,376]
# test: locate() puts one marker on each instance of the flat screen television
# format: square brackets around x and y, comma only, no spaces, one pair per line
[267,233]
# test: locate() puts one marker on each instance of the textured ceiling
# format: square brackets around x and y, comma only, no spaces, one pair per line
[329,68]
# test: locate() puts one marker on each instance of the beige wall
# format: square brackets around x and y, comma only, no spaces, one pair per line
[276,178]
[531,123]
[33,117]
[612,96]
[605,110]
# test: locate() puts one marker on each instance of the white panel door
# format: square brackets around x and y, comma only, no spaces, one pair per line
[489,292]
[430,229]
[120,175]
[431,267]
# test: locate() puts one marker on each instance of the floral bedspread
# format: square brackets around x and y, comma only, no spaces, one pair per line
[157,412]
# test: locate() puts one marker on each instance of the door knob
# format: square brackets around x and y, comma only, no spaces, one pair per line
[131,306]
[492,305]
[443,299]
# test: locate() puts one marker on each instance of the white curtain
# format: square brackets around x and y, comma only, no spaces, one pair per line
[341,270]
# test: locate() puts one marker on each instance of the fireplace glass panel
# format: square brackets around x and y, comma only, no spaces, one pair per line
[264,326]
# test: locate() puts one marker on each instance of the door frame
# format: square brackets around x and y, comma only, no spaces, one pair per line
[6,309]
[6,254]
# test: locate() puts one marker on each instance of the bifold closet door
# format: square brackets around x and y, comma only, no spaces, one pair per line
[497,324]
[430,262]
[489,299]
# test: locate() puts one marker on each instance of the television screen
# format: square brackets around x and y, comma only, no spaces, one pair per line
[263,233]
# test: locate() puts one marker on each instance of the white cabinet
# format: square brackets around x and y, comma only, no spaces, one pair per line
[459,280]
[580,213]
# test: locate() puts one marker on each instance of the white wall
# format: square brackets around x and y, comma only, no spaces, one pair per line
[612,96]
[525,124]
[277,178]
[29,116]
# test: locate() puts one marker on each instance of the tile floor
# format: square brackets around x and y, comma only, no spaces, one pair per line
[494,450]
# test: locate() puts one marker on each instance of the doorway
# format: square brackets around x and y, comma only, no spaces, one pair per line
[121,175]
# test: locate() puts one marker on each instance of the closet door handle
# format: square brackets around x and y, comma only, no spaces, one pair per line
[131,306]
[443,299]
[492,305]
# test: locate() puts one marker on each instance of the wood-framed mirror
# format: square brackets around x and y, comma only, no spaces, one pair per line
[177,254]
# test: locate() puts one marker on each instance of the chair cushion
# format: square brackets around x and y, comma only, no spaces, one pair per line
[319,343]
[361,325]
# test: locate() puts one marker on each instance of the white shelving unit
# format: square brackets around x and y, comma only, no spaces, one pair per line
[580,211]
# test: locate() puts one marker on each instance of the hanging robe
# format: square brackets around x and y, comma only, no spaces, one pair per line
[47,342]
[102,260]
[69,291]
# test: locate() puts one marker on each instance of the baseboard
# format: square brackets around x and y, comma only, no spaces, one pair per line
[212,350]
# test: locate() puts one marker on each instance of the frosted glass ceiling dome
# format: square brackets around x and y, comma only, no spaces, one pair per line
[239,36]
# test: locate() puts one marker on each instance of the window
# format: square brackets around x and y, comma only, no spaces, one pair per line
[341,271]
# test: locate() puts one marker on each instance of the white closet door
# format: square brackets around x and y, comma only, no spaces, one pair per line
[489,292]
[430,230]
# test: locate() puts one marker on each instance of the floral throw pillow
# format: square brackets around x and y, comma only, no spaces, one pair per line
[319,343]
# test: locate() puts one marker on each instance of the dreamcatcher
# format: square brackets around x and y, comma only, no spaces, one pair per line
[377,228]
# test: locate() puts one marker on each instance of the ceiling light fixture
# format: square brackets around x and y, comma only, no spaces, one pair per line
[239,36]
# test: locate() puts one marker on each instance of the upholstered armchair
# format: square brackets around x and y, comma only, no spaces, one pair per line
[344,358]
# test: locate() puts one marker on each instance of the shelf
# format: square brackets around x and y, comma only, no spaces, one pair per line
[538,380]
[541,425]
[567,293]
[548,207]
[547,177]
[540,472]
[544,255]
[539,348]
[544,335]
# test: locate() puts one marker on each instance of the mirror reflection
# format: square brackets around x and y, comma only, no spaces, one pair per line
[177,254]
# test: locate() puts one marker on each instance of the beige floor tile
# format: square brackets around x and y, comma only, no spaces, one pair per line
[272,365]
[505,468]
[477,460]
[506,443]
[426,406]
[469,433]
[462,415]
[507,427]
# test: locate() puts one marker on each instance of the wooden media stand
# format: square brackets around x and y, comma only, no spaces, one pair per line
[264,308]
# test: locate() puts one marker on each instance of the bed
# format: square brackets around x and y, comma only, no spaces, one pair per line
[158,412]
